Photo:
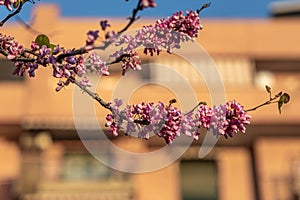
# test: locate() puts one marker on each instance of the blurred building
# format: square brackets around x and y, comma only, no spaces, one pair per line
[42,156]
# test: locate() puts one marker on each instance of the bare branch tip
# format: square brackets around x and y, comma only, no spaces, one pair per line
[206,5]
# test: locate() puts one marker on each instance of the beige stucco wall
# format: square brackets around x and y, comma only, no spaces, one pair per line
[278,161]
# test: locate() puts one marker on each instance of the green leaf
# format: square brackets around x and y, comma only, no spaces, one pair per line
[284,99]
[42,40]
[52,46]
[16,4]
[280,103]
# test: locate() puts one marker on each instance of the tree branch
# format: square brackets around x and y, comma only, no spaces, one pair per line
[92,94]
[270,101]
[206,5]
[133,18]
[27,26]
[200,103]
[261,105]
[75,52]
[106,44]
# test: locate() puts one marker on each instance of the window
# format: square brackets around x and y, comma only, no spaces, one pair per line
[278,65]
[7,67]
[283,73]
[198,180]
[83,166]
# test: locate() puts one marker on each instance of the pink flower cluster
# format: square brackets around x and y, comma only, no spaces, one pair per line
[104,24]
[171,127]
[169,122]
[188,24]
[13,51]
[236,118]
[165,34]
[224,119]
[129,57]
[11,47]
[65,69]
[148,3]
[130,60]
[28,60]
[142,119]
[92,36]
[96,64]
[8,3]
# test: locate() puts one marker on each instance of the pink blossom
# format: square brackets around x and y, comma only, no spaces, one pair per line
[95,63]
[8,3]
[218,122]
[169,122]
[237,118]
[11,47]
[104,24]
[172,126]
[111,36]
[130,60]
[203,116]
[61,84]
[34,46]
[85,82]
[228,119]
[92,36]
[188,24]
[69,66]
[148,3]
[113,127]
[166,34]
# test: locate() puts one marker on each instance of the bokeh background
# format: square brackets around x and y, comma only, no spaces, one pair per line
[252,43]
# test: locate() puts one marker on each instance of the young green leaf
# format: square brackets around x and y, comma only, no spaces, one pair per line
[284,99]
[52,46]
[280,103]
[16,4]
[42,40]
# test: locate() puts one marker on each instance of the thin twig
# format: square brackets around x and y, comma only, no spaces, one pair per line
[92,94]
[261,105]
[200,103]
[29,51]
[133,18]
[25,60]
[206,5]
[27,26]
[80,51]
[106,44]
[270,101]
[119,59]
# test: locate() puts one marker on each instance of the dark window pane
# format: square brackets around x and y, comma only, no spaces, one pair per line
[278,65]
[6,69]
[198,180]
[81,166]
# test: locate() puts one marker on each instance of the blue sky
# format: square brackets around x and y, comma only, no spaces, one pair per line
[219,8]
